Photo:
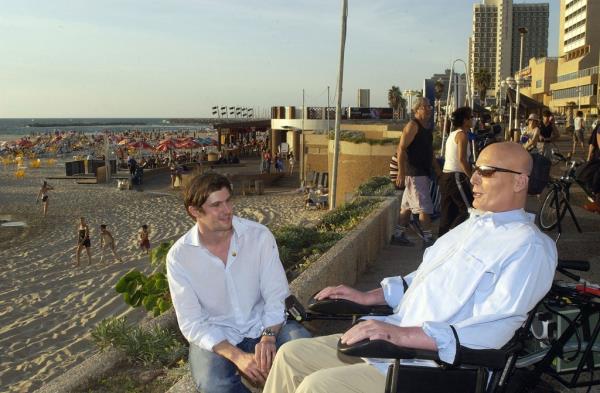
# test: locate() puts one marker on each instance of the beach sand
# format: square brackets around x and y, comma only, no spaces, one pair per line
[48,307]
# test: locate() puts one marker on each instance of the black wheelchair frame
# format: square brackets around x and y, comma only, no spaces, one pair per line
[475,370]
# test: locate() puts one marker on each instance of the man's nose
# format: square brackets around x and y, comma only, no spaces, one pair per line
[475,178]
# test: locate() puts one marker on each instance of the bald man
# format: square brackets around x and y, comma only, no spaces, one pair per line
[480,279]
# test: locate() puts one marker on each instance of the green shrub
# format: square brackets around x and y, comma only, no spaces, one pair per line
[359,137]
[147,347]
[377,186]
[151,291]
[348,215]
[296,243]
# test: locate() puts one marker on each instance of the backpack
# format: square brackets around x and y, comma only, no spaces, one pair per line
[540,174]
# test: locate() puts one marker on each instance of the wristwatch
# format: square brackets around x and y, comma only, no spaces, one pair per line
[268,332]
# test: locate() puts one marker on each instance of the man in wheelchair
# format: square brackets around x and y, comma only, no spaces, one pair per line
[474,289]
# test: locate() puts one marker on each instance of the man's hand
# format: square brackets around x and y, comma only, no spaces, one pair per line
[246,363]
[264,354]
[342,292]
[408,337]
[370,330]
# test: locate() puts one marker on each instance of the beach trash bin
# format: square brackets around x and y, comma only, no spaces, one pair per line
[259,187]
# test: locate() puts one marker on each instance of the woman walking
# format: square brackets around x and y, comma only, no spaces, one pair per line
[43,193]
[454,184]
[83,240]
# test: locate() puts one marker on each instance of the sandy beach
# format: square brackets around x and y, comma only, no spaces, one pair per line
[48,307]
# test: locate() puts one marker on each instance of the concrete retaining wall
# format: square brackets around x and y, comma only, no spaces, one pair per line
[342,263]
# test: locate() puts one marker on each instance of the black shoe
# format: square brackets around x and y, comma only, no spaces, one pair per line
[401,241]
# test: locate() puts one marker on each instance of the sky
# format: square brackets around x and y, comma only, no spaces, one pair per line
[178,58]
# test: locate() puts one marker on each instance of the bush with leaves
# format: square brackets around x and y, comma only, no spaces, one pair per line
[151,291]
[377,186]
[147,347]
[297,243]
[348,215]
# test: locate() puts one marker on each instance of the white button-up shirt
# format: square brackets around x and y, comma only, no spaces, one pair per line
[482,277]
[216,301]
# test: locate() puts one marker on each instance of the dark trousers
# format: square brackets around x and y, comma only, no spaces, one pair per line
[453,206]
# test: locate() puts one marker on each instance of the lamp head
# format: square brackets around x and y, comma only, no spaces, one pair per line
[523,30]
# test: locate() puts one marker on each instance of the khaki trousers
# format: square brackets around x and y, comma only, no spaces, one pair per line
[314,365]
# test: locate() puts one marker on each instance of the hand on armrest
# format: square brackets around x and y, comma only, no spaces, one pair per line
[374,297]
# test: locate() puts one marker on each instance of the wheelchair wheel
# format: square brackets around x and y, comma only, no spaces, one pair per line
[547,216]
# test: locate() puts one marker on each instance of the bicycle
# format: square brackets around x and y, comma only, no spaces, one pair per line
[555,203]
[564,333]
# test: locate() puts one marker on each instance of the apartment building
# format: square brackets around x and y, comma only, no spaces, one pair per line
[579,57]
[495,42]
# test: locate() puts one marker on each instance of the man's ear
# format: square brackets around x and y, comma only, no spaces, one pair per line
[521,183]
[194,211]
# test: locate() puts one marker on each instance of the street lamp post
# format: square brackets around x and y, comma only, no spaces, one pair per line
[522,32]
[510,82]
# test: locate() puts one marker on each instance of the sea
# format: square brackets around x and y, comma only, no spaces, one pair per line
[12,129]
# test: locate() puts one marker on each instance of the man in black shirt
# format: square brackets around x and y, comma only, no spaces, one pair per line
[415,163]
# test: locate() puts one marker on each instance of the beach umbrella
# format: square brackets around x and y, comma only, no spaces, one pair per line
[24,143]
[189,144]
[123,142]
[141,145]
[164,147]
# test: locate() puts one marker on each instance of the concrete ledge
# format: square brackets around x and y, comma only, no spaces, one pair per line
[342,263]
[351,256]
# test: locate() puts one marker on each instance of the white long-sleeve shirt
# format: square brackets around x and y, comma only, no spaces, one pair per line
[482,277]
[216,301]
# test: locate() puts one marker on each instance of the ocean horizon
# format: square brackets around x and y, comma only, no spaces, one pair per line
[13,128]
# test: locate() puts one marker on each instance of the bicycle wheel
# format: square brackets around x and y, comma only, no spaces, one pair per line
[547,216]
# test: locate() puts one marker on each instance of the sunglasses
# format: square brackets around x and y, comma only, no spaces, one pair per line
[488,171]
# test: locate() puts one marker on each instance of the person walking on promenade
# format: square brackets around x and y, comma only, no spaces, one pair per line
[83,241]
[144,238]
[454,184]
[107,241]
[579,130]
[43,193]
[291,162]
[228,288]
[474,287]
[531,134]
[548,133]
[415,163]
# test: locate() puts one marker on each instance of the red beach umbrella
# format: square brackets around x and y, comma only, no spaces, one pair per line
[141,145]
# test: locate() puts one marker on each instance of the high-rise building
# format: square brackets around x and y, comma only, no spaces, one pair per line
[578,50]
[363,98]
[495,43]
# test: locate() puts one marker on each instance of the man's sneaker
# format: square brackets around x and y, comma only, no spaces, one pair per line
[401,241]
[428,242]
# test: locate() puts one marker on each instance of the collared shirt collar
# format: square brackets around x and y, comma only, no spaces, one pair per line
[501,218]
[192,237]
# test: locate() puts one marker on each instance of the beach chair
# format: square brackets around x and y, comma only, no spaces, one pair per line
[36,163]
[20,173]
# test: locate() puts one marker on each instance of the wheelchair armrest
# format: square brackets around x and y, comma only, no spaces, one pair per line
[385,350]
[345,307]
[488,358]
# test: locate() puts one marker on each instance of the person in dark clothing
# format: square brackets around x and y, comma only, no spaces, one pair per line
[454,185]
[415,163]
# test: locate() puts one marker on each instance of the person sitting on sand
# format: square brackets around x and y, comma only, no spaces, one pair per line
[83,240]
[43,193]
[107,241]
[144,238]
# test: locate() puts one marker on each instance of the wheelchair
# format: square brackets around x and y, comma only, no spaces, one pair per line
[513,368]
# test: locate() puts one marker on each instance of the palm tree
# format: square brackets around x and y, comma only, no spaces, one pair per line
[395,100]
[483,81]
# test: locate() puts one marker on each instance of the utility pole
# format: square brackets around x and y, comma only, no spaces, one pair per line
[338,107]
